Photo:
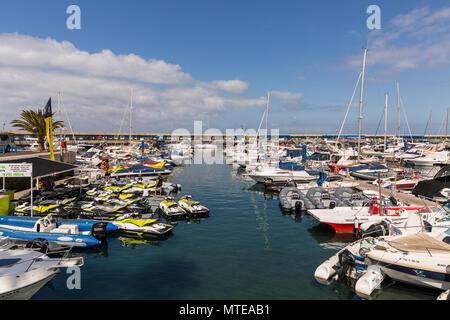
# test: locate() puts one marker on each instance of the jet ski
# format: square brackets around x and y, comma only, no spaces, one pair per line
[58,208]
[171,210]
[92,210]
[147,228]
[193,208]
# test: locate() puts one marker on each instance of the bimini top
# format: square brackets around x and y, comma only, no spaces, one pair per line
[420,242]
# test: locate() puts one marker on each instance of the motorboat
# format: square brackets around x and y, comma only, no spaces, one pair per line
[24,271]
[421,259]
[139,171]
[280,175]
[366,171]
[63,234]
[293,199]
[349,219]
[437,189]
[431,158]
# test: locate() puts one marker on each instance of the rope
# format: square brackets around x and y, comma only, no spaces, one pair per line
[348,108]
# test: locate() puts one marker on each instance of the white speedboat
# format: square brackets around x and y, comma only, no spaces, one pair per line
[24,271]
[431,158]
[349,219]
[280,175]
[421,259]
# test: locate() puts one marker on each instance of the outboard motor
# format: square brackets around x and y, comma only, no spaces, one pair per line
[332,204]
[346,262]
[38,244]
[394,201]
[375,230]
[99,230]
[298,206]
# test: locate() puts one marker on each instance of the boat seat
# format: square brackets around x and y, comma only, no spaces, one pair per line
[66,228]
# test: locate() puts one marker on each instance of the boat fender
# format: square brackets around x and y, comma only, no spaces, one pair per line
[39,244]
[268,182]
[99,230]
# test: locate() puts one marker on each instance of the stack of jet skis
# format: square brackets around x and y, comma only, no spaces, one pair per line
[130,206]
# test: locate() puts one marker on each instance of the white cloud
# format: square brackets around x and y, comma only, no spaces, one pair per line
[418,38]
[96,87]
[233,86]
[284,95]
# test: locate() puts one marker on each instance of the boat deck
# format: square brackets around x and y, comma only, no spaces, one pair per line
[403,197]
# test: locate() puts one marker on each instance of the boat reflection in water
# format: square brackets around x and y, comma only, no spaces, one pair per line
[324,234]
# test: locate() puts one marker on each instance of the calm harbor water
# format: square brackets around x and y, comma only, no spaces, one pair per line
[246,249]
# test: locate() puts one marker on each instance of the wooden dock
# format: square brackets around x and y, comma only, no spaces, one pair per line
[406,198]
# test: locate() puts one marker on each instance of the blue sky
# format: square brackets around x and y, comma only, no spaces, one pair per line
[216,60]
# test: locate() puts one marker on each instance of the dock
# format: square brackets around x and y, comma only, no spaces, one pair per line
[406,198]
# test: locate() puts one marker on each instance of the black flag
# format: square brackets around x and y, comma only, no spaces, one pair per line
[48,109]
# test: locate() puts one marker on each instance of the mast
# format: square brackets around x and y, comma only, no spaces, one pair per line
[385,121]
[267,120]
[429,130]
[398,110]
[360,104]
[446,127]
[267,113]
[131,111]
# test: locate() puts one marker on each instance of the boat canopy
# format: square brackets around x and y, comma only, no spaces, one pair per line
[420,242]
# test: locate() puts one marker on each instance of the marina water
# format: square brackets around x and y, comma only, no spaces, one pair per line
[247,249]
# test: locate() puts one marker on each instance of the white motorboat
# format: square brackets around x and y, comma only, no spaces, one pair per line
[421,259]
[24,271]
[280,175]
[431,158]
[349,219]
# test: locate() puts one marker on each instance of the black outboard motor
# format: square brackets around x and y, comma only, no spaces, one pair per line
[376,230]
[38,244]
[298,206]
[99,230]
[332,204]
[394,201]
[346,262]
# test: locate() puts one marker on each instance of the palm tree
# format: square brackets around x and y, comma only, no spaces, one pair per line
[34,122]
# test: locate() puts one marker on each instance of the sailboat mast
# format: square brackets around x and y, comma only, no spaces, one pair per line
[360,104]
[267,113]
[446,127]
[385,120]
[398,109]
[131,111]
[267,120]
